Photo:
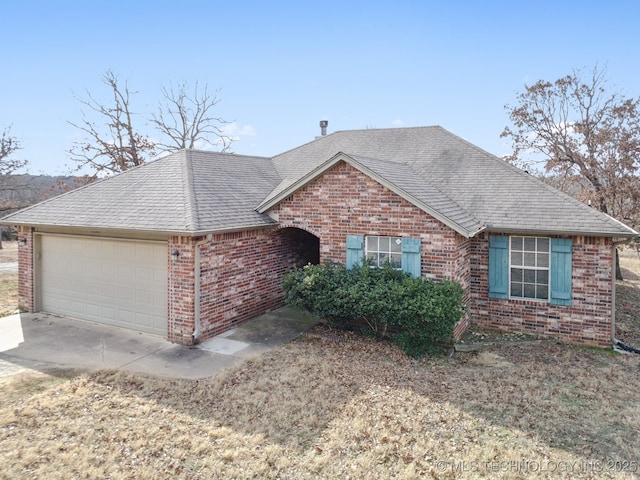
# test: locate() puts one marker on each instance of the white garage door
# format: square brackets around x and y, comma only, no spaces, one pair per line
[122,283]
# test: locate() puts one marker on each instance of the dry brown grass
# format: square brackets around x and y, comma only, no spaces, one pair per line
[8,294]
[9,252]
[329,409]
[326,409]
[628,299]
[8,281]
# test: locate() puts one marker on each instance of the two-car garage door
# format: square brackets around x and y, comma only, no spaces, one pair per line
[116,282]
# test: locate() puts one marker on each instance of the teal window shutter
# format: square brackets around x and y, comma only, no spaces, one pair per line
[355,250]
[561,251]
[498,266]
[411,261]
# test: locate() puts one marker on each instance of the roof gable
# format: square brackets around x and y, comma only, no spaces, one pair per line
[398,178]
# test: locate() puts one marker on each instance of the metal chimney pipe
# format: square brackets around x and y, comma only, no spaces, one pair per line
[323,127]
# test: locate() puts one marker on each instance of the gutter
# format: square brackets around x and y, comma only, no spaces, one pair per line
[197,284]
[100,231]
[571,233]
[617,343]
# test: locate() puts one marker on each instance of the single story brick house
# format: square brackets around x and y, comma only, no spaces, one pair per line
[194,243]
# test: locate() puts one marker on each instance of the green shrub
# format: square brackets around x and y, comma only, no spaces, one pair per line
[322,290]
[418,314]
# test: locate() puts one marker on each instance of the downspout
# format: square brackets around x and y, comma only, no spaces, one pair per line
[617,343]
[197,284]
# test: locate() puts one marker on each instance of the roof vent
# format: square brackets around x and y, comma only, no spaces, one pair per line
[323,127]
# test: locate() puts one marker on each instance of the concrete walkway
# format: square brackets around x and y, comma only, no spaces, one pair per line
[44,342]
[8,267]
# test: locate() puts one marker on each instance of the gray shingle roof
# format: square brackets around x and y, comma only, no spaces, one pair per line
[489,190]
[193,192]
[185,192]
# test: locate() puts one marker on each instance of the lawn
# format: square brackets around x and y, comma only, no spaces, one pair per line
[8,281]
[341,408]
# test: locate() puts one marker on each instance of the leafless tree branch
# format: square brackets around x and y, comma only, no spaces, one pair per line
[587,138]
[113,145]
[187,120]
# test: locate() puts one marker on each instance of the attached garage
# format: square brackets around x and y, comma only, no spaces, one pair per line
[115,282]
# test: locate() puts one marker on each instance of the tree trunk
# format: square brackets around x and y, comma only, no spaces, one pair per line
[618,270]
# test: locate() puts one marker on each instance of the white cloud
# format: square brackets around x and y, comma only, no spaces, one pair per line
[235,131]
[398,123]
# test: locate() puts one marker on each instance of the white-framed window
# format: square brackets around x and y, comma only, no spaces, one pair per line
[529,267]
[536,268]
[402,252]
[382,250]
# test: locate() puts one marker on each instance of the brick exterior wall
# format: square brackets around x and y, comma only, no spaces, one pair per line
[26,270]
[462,275]
[240,278]
[586,322]
[344,202]
[181,295]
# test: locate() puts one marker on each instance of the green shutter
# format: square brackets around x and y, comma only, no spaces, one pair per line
[560,266]
[498,266]
[355,250]
[411,261]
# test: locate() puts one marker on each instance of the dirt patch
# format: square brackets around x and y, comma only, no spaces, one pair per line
[490,359]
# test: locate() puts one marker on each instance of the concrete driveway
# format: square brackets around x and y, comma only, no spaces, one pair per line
[44,342]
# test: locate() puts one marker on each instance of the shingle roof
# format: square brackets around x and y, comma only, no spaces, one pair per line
[193,192]
[488,189]
[185,192]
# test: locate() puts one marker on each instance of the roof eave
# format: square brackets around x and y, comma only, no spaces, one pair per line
[96,230]
[571,233]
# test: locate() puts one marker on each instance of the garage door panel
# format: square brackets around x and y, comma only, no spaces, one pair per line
[121,283]
[144,274]
[93,288]
[143,297]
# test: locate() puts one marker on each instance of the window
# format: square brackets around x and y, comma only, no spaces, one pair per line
[382,250]
[537,268]
[529,267]
[401,251]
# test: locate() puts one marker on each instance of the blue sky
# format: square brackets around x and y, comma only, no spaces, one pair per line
[284,65]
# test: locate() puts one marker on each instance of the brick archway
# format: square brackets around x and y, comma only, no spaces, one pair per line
[302,247]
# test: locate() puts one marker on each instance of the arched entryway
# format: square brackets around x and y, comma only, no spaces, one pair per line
[300,247]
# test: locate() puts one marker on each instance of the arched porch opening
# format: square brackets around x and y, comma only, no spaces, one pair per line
[299,247]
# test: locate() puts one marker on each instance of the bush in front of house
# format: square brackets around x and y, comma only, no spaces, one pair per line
[417,314]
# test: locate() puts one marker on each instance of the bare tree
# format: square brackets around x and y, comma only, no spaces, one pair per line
[187,120]
[584,137]
[10,187]
[113,144]
[8,146]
